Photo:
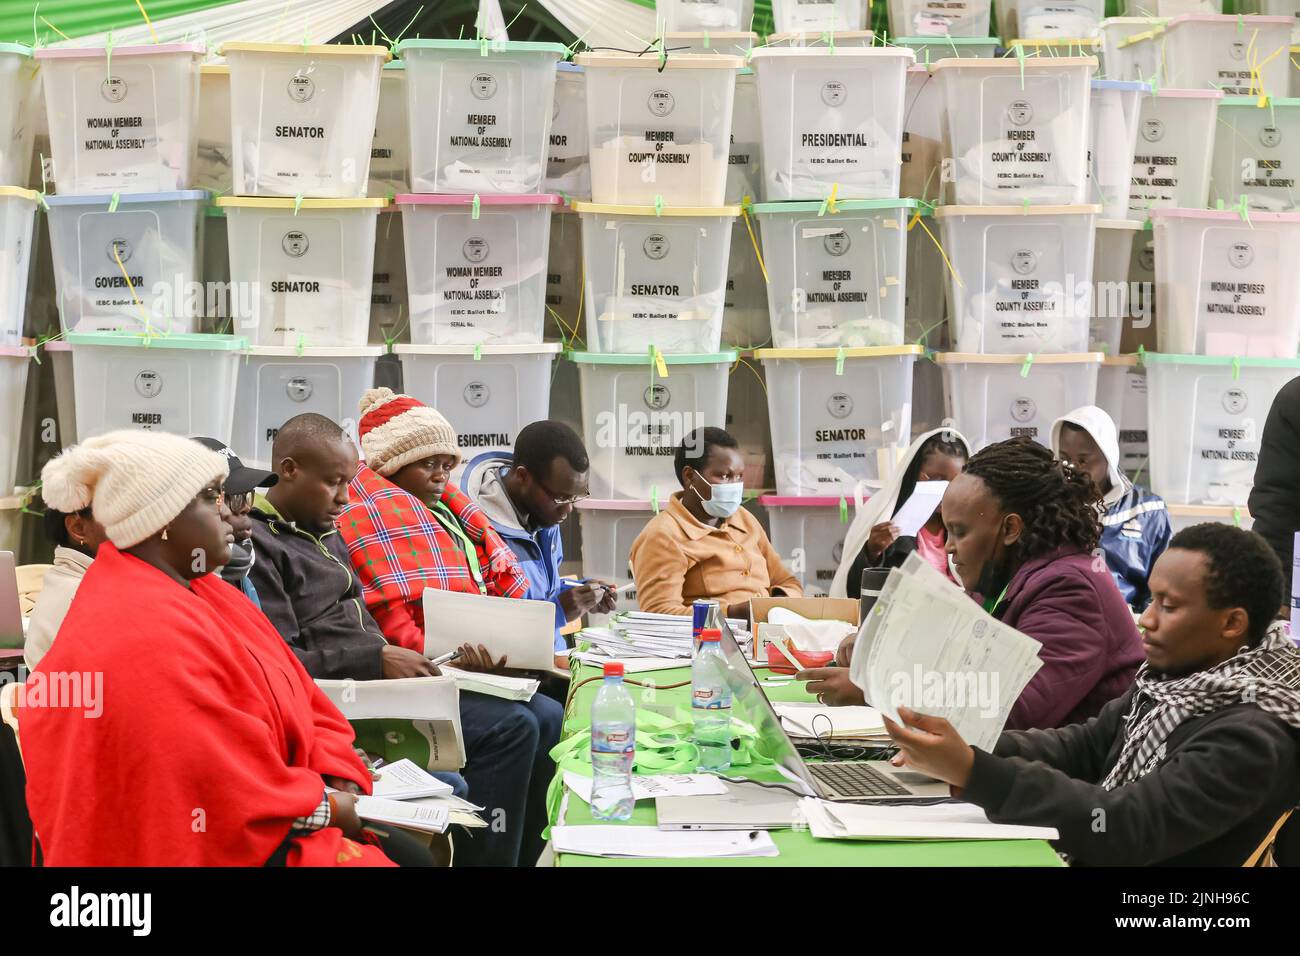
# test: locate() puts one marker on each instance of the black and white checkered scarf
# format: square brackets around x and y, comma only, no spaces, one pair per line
[1267,676]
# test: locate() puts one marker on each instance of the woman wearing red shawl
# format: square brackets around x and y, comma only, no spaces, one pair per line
[408,528]
[194,737]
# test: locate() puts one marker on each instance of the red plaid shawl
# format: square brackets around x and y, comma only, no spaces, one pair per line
[398,549]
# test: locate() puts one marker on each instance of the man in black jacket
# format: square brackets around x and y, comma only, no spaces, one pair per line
[1275,497]
[308,591]
[1191,767]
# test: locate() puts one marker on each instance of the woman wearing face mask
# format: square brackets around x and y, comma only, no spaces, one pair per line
[1023,533]
[704,546]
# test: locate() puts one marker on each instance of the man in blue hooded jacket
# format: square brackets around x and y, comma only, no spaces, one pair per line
[1135,523]
[526,495]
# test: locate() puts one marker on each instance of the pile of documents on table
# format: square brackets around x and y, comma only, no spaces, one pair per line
[645,641]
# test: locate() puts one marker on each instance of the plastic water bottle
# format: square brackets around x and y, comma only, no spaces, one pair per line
[613,747]
[705,614]
[711,704]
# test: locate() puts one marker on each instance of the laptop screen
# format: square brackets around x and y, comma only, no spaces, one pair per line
[750,704]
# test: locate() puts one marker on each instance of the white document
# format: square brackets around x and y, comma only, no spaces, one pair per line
[402,813]
[919,508]
[521,630]
[633,842]
[494,685]
[959,821]
[432,704]
[650,786]
[926,645]
[818,720]
[637,665]
[403,780]
[460,812]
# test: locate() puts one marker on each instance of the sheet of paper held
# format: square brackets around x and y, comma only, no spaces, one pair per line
[927,645]
[631,842]
[919,508]
[651,786]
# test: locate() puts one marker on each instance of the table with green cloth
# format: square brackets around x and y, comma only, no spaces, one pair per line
[798,848]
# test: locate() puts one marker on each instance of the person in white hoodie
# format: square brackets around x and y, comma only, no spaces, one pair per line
[76,538]
[1135,526]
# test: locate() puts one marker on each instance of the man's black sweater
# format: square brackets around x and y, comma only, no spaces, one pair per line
[1222,783]
[309,593]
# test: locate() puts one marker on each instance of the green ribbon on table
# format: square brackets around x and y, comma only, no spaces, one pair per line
[663,745]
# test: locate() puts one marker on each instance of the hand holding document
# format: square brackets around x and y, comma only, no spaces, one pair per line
[919,508]
[926,645]
[518,629]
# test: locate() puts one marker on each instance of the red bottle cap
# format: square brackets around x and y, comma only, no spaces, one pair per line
[710,634]
[613,668]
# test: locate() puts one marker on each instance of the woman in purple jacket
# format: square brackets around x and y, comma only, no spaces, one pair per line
[1023,532]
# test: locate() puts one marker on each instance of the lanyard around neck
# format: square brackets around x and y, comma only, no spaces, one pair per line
[451,523]
[990,608]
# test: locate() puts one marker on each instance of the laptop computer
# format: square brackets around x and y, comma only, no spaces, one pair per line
[11,615]
[750,804]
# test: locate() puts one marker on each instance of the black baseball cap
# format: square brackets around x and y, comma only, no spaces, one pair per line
[242,479]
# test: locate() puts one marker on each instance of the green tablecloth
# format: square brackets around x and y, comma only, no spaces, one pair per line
[797,848]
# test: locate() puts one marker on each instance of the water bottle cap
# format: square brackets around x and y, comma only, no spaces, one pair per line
[710,634]
[613,668]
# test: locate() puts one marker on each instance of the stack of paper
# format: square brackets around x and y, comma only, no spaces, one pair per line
[640,634]
[402,813]
[942,821]
[829,723]
[631,842]
[926,645]
[403,780]
[493,685]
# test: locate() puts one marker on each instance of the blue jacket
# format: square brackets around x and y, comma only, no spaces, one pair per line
[1134,532]
[540,552]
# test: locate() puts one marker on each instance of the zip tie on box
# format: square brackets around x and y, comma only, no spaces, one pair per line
[1028,363]
[300,345]
[654,498]
[1024,207]
[839,360]
[1236,516]
[1244,211]
[475,207]
[844,510]
[482,46]
[746,204]
[659,205]
[943,253]
[108,56]
[831,45]
[660,365]
[1142,356]
[147,22]
[1236,367]
[297,203]
[829,204]
[1020,57]
[113,200]
[706,39]
[478,352]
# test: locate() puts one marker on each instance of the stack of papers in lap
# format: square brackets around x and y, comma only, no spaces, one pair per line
[403,813]
[942,821]
[633,634]
[632,842]
[926,645]
[403,780]
[493,685]
[829,723]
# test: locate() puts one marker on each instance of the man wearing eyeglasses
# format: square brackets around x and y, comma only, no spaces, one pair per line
[526,495]
[239,489]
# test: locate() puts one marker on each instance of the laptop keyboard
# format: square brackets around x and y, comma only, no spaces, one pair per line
[857,779]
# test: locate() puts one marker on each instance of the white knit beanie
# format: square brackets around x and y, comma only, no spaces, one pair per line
[137,482]
[396,430]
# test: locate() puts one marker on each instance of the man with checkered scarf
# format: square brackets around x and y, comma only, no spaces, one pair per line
[1196,764]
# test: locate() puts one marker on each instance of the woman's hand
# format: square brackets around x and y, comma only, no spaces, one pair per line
[343,814]
[832,686]
[881,537]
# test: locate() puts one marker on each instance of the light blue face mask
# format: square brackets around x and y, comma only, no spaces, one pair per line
[725,500]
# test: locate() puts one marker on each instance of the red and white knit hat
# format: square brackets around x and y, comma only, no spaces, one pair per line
[396,430]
